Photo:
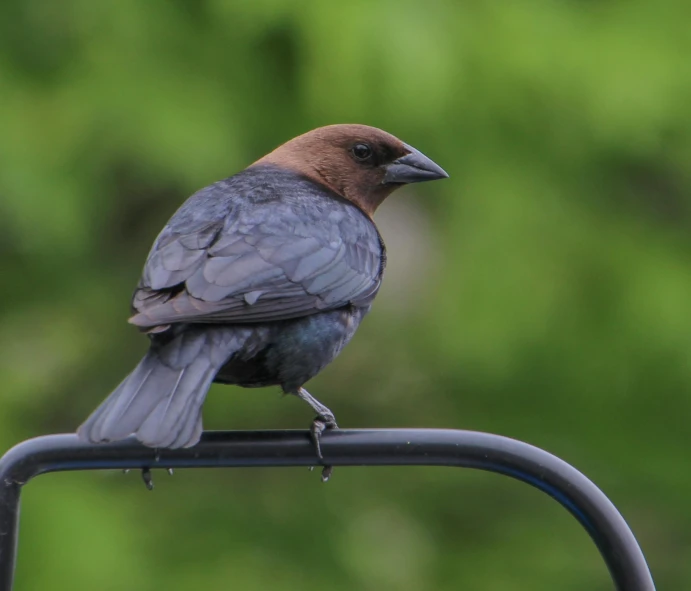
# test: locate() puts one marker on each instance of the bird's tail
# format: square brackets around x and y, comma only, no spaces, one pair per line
[160,402]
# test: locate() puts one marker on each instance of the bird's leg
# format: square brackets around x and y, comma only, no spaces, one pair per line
[324,420]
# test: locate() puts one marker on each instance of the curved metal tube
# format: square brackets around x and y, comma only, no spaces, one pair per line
[410,447]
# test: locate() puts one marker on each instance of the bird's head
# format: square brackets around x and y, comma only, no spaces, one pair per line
[360,163]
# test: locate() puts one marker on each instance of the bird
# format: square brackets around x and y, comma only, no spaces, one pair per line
[258,280]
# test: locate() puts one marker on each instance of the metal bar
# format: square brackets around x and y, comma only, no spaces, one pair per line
[9,529]
[409,447]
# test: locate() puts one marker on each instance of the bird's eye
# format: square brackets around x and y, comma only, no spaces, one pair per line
[362,152]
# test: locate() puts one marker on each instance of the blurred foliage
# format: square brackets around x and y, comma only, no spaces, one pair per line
[542,292]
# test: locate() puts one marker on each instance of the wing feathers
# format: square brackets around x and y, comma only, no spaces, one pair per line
[274,261]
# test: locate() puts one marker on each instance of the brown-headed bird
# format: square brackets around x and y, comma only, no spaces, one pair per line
[260,279]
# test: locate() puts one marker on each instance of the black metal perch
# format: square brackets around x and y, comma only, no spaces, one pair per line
[409,447]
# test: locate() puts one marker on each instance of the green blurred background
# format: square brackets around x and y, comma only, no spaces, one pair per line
[542,292]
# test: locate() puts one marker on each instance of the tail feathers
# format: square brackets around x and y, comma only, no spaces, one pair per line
[159,403]
[176,419]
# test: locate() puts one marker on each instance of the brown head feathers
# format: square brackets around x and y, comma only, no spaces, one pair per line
[360,163]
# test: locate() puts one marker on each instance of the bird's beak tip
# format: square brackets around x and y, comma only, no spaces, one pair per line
[414,167]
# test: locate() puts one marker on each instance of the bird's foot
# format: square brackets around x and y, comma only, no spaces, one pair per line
[319,425]
[147,478]
[324,420]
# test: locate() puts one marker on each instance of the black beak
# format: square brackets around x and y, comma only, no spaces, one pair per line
[414,167]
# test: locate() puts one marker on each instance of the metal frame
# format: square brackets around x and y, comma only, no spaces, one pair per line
[409,447]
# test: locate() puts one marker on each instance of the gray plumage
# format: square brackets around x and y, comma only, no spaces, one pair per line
[260,279]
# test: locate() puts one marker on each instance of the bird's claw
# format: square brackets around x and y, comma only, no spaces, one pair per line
[147,478]
[324,420]
[326,473]
[319,425]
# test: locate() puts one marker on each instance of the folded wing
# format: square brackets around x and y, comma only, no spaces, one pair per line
[270,261]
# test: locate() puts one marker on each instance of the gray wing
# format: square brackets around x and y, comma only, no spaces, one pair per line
[270,261]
